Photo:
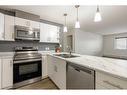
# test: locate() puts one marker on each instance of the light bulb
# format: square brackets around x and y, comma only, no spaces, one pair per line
[97,17]
[77,24]
[65,29]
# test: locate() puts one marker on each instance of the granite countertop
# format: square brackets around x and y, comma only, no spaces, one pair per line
[46,52]
[116,67]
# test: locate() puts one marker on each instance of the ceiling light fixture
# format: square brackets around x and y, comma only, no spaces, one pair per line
[65,26]
[97,17]
[77,24]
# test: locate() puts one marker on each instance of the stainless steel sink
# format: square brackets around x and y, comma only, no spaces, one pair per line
[66,55]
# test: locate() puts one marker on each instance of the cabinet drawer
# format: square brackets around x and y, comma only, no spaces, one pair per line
[110,82]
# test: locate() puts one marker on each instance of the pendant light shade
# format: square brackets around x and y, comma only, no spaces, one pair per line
[97,17]
[65,26]
[77,23]
[65,29]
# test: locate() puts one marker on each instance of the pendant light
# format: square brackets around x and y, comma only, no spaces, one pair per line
[97,17]
[77,24]
[65,26]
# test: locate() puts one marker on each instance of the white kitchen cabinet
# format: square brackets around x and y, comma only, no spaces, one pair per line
[9,28]
[44,67]
[50,67]
[49,33]
[106,81]
[35,24]
[7,72]
[1,26]
[0,73]
[57,71]
[26,23]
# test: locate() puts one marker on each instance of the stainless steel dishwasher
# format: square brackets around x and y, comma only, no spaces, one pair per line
[79,77]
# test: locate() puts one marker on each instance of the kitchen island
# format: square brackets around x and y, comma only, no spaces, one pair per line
[110,73]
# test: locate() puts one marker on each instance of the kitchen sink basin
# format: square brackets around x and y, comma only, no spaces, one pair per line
[66,55]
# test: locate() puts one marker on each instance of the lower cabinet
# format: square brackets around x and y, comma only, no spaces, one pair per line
[107,81]
[57,71]
[6,73]
[44,67]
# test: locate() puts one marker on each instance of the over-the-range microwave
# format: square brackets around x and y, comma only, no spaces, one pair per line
[27,33]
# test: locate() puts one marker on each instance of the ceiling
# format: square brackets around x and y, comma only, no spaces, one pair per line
[114,18]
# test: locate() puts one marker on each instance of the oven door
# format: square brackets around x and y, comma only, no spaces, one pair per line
[26,70]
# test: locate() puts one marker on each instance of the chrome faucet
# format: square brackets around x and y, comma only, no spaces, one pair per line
[69,49]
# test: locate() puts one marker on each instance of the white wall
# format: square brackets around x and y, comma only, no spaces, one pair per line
[108,46]
[88,43]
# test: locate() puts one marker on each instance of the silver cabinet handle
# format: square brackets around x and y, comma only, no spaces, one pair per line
[117,86]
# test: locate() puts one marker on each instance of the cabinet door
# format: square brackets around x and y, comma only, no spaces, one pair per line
[9,28]
[43,32]
[44,67]
[54,33]
[50,68]
[34,24]
[0,72]
[57,71]
[22,22]
[49,33]
[60,73]
[27,23]
[7,72]
[1,26]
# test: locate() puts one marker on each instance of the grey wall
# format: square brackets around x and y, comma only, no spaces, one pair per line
[7,46]
[108,46]
[88,43]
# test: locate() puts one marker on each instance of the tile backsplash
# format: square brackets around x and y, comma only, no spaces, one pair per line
[8,46]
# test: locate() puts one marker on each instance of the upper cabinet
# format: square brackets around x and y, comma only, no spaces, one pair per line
[6,27]
[2,26]
[49,33]
[26,23]
[9,28]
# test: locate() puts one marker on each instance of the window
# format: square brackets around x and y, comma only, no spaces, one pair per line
[120,43]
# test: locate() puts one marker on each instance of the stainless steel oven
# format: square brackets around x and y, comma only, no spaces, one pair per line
[27,67]
[27,33]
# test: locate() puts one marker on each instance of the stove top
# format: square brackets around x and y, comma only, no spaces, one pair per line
[26,53]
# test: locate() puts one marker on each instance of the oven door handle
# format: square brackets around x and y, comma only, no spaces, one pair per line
[24,61]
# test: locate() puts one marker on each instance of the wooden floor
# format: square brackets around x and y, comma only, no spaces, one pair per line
[43,84]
